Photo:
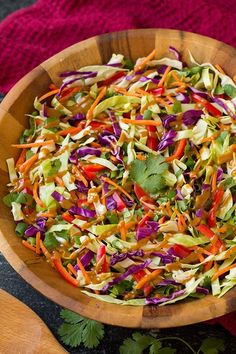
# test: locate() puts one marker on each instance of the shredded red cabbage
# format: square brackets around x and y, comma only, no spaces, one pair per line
[192,116]
[156,301]
[57,196]
[119,257]
[31,231]
[83,151]
[87,213]
[167,140]
[131,270]
[41,223]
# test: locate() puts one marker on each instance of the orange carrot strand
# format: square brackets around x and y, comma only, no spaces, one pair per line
[48,94]
[28,163]
[35,195]
[35,144]
[83,271]
[38,236]
[28,245]
[222,271]
[145,61]
[141,122]
[101,94]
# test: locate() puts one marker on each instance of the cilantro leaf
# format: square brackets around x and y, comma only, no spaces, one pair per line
[70,317]
[149,173]
[230,90]
[155,347]
[92,334]
[212,346]
[139,343]
[70,334]
[77,329]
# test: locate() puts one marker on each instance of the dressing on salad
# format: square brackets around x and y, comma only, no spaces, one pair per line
[126,180]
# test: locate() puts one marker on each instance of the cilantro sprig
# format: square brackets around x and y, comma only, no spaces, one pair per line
[149,173]
[77,329]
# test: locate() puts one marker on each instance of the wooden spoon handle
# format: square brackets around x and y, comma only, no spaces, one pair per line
[22,331]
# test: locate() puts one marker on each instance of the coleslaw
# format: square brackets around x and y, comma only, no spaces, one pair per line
[126,180]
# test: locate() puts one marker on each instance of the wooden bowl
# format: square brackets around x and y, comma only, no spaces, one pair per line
[34,269]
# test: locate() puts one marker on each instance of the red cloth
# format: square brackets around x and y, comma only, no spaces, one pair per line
[32,35]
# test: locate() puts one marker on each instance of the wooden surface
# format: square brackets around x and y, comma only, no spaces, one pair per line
[22,331]
[34,269]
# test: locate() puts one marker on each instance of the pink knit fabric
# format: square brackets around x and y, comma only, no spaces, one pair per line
[32,35]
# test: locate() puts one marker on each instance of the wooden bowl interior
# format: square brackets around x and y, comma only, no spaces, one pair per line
[34,269]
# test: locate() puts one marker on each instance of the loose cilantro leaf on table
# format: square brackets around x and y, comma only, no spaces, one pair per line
[140,342]
[212,346]
[77,329]
[149,173]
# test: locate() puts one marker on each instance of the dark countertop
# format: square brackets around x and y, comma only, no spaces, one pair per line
[114,336]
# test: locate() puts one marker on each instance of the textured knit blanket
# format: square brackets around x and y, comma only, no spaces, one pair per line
[31,35]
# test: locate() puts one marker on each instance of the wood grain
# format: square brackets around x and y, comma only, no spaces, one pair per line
[34,269]
[22,331]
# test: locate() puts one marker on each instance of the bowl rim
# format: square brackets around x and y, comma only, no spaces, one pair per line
[154,317]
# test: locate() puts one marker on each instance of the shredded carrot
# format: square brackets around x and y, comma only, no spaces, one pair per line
[71,269]
[229,252]
[161,82]
[28,245]
[214,181]
[38,236]
[35,195]
[219,68]
[83,271]
[162,220]
[35,144]
[48,94]
[170,98]
[181,223]
[168,209]
[94,144]
[201,258]
[148,278]
[28,163]
[140,157]
[70,130]
[210,138]
[47,214]
[125,92]
[122,230]
[178,152]
[145,61]
[45,251]
[129,225]
[208,265]
[101,94]
[141,122]
[122,190]
[175,76]
[143,92]
[162,102]
[69,94]
[21,158]
[222,271]
[59,181]
[163,243]
[200,249]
